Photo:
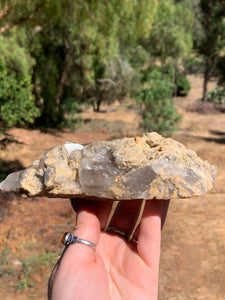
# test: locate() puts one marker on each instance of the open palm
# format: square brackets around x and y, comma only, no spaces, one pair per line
[117,269]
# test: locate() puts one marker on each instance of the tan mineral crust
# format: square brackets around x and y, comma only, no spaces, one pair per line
[147,167]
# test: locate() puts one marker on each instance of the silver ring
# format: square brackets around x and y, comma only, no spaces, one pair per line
[68,239]
[114,229]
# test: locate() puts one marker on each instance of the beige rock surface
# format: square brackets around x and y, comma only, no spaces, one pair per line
[147,167]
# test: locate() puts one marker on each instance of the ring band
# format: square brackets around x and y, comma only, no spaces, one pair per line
[116,207]
[114,229]
[68,239]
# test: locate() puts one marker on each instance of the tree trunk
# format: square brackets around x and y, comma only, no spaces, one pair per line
[99,104]
[62,82]
[205,83]
[98,101]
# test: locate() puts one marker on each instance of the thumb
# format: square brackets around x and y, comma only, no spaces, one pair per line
[87,228]
[77,254]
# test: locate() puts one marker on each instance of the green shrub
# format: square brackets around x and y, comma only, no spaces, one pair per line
[17,105]
[158,111]
[216,96]
[71,111]
[182,85]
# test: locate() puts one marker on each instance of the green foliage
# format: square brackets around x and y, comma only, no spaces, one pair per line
[121,80]
[182,85]
[17,102]
[4,260]
[2,173]
[74,53]
[170,40]
[4,256]
[137,56]
[211,19]
[179,80]
[216,96]
[193,64]
[158,111]
[71,110]
[25,283]
[30,265]
[210,36]
[77,52]
[171,34]
[17,105]
[34,264]
[220,70]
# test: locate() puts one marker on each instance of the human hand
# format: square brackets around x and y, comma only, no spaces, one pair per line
[118,269]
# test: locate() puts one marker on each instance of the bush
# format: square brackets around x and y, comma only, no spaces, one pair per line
[71,111]
[182,85]
[17,105]
[158,111]
[216,96]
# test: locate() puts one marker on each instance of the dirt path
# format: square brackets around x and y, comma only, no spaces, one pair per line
[193,240]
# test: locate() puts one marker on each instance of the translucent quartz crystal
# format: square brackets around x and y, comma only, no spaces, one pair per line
[147,167]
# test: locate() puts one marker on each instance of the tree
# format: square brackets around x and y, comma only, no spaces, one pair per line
[170,39]
[211,37]
[77,50]
[73,44]
[92,50]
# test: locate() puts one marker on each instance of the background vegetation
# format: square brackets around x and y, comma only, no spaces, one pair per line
[56,55]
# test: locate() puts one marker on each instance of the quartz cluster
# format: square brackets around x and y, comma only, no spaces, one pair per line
[147,167]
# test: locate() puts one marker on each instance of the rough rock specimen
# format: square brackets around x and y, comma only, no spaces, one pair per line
[149,167]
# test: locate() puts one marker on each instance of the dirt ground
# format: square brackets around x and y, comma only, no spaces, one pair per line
[193,239]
